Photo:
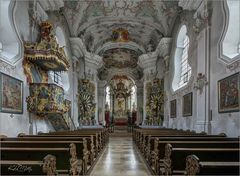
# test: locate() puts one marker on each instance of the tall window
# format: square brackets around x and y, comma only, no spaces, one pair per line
[133,98]
[108,96]
[183,70]
[230,41]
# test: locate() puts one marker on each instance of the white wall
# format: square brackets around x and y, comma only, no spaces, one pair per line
[203,58]
[228,123]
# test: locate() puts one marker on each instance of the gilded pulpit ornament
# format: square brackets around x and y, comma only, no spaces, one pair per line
[200,82]
[46,53]
[46,99]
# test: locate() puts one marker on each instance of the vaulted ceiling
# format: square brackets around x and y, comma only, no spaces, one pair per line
[145,22]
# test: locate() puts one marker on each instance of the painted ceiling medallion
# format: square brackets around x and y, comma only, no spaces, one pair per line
[47,54]
[120,58]
[120,35]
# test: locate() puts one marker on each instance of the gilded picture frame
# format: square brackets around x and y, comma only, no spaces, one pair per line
[228,94]
[173,108]
[187,105]
[11,94]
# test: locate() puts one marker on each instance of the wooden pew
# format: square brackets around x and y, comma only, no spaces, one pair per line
[146,138]
[46,166]
[66,158]
[92,141]
[195,166]
[158,153]
[174,160]
[82,148]
[101,134]
[155,144]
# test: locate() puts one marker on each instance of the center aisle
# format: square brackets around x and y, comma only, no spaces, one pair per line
[120,158]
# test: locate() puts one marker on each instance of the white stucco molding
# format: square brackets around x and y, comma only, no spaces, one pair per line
[164,47]
[51,5]
[130,45]
[148,60]
[79,50]
[93,61]
[77,47]
[190,4]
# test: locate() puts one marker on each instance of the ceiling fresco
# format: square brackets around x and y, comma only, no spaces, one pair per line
[120,30]
[120,58]
[146,21]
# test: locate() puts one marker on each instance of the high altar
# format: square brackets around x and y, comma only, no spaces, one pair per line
[121,102]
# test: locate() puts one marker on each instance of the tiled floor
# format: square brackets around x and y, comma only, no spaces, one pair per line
[120,159]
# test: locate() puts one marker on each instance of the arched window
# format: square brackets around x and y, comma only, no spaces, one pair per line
[230,41]
[133,98]
[60,78]
[183,70]
[10,44]
[108,96]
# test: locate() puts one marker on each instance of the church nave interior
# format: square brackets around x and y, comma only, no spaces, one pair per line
[119,87]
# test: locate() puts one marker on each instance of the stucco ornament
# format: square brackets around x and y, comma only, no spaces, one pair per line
[200,82]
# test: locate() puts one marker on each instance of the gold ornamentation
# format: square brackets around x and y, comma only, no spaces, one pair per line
[21,134]
[192,165]
[76,165]
[85,155]
[167,159]
[47,53]
[49,165]
[92,150]
[120,35]
[46,98]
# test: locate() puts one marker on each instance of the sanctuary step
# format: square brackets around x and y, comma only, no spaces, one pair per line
[120,128]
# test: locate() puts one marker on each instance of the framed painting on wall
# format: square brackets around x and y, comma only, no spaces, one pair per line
[173,108]
[228,93]
[11,94]
[187,105]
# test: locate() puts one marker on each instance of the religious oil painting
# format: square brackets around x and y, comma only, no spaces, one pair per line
[11,94]
[187,105]
[228,93]
[173,108]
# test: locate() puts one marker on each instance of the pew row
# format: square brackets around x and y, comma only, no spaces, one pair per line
[195,166]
